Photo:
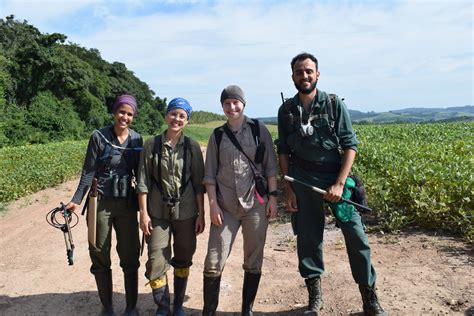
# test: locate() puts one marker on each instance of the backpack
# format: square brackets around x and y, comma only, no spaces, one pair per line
[358,192]
[157,151]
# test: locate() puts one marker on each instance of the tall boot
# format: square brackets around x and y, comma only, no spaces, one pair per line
[131,293]
[249,291]
[179,291]
[161,296]
[180,283]
[104,287]
[211,295]
[315,295]
[370,301]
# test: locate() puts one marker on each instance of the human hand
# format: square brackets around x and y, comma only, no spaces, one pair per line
[200,223]
[291,204]
[145,223]
[216,215]
[71,206]
[271,207]
[334,193]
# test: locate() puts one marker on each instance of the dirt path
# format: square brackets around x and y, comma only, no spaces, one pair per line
[417,273]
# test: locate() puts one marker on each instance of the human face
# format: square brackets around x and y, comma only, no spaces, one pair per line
[123,116]
[233,108]
[305,76]
[176,119]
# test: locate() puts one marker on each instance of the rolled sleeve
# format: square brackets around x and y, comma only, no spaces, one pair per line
[145,171]
[210,167]
[344,130]
[197,168]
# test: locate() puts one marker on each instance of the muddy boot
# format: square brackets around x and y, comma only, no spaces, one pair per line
[370,301]
[180,282]
[211,295]
[104,287]
[315,295]
[249,291]
[131,293]
[161,296]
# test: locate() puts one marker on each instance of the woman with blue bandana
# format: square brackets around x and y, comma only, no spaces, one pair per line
[171,203]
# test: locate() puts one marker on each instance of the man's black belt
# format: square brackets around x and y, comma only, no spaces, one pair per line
[320,166]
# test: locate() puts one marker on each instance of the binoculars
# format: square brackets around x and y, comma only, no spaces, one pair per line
[120,186]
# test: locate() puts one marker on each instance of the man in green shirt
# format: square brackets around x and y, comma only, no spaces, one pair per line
[317,145]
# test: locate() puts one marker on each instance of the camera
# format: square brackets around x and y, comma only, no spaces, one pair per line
[172,203]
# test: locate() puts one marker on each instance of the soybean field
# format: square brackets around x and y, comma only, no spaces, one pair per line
[415,174]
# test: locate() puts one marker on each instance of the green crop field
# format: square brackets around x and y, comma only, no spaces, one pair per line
[415,174]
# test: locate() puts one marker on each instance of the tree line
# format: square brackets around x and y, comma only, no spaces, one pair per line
[51,90]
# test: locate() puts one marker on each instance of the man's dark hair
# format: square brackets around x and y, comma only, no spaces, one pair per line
[301,57]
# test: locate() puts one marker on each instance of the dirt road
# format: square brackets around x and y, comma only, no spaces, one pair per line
[418,274]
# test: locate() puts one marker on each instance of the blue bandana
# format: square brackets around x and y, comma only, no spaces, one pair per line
[180,103]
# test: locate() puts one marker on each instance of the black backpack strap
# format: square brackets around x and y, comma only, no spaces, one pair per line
[157,151]
[187,144]
[332,110]
[218,136]
[255,128]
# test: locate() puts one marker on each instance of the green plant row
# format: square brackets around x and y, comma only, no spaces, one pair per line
[28,169]
[420,174]
[414,174]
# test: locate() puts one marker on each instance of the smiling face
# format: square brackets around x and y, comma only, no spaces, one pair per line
[305,76]
[123,116]
[176,119]
[233,108]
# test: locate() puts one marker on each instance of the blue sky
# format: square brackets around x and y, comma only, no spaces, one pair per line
[378,55]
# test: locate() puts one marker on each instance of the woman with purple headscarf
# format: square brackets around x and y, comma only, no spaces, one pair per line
[112,159]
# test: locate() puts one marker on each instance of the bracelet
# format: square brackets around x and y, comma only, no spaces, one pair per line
[273,193]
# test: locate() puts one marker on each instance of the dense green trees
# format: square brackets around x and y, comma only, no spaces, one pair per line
[53,91]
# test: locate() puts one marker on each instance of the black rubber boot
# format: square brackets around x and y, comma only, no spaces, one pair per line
[249,291]
[104,287]
[179,291]
[315,295]
[370,301]
[212,287]
[131,293]
[161,296]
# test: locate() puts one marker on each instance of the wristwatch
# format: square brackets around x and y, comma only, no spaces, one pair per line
[274,193]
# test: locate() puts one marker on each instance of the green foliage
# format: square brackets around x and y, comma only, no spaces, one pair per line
[201,117]
[53,119]
[37,70]
[27,169]
[420,174]
[148,120]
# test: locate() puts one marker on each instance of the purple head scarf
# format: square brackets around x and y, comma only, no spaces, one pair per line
[125,98]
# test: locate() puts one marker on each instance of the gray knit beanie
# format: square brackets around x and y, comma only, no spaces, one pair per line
[233,92]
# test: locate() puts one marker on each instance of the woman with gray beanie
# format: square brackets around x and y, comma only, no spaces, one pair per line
[112,161]
[241,181]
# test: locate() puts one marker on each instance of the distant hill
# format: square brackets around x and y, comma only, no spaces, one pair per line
[408,115]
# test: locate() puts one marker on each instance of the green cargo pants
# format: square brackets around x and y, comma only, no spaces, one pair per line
[308,225]
[160,243]
[114,212]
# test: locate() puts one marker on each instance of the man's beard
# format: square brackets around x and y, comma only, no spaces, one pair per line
[306,90]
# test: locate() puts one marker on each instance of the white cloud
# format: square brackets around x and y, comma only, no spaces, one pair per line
[379,56]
